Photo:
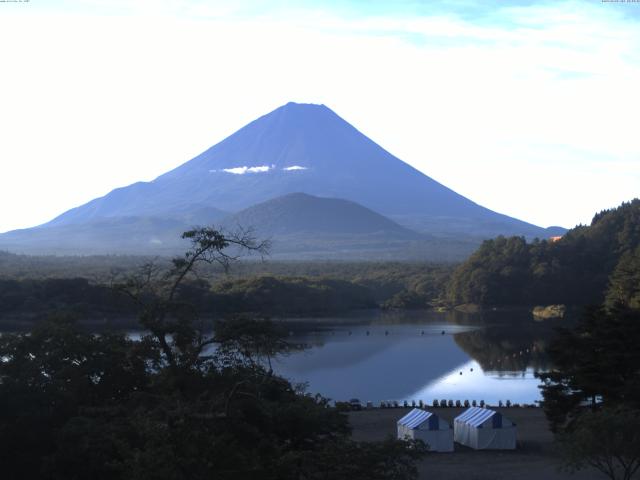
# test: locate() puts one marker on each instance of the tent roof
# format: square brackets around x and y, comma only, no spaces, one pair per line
[415,418]
[475,416]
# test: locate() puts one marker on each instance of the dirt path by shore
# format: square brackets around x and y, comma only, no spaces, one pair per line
[536,457]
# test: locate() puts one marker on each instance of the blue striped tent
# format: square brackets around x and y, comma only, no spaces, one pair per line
[484,429]
[426,426]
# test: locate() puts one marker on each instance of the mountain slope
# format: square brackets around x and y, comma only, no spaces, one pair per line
[303,148]
[303,226]
[302,214]
[295,148]
[299,226]
[119,235]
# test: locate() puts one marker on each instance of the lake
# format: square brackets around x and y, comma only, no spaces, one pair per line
[377,356]
[395,356]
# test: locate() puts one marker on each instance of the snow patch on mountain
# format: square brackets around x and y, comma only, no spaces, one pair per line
[294,167]
[245,169]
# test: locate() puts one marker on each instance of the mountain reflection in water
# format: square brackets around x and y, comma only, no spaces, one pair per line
[406,356]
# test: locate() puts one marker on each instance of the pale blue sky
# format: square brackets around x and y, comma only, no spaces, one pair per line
[529,108]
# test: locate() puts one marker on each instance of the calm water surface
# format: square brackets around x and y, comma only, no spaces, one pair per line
[423,355]
[376,356]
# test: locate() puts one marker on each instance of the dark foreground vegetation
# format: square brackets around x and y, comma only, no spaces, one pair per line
[178,403]
[592,395]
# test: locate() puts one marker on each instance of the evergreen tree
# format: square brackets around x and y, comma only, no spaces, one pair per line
[607,440]
[575,270]
[595,364]
[624,283]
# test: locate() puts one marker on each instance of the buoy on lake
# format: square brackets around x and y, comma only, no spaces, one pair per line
[367,332]
[442,332]
[422,332]
[386,332]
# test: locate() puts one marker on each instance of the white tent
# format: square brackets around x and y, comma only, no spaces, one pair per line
[428,427]
[481,428]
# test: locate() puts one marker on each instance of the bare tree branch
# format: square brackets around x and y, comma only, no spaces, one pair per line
[155,290]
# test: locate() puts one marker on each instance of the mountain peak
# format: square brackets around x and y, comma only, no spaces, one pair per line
[305,112]
[308,106]
[302,147]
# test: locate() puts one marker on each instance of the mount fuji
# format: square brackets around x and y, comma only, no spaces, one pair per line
[297,148]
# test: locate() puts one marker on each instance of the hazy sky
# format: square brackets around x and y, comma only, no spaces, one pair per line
[530,109]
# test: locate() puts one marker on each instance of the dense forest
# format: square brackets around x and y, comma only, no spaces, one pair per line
[588,265]
[33,287]
[23,302]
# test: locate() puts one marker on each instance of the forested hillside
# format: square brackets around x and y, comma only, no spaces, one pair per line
[31,288]
[586,266]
